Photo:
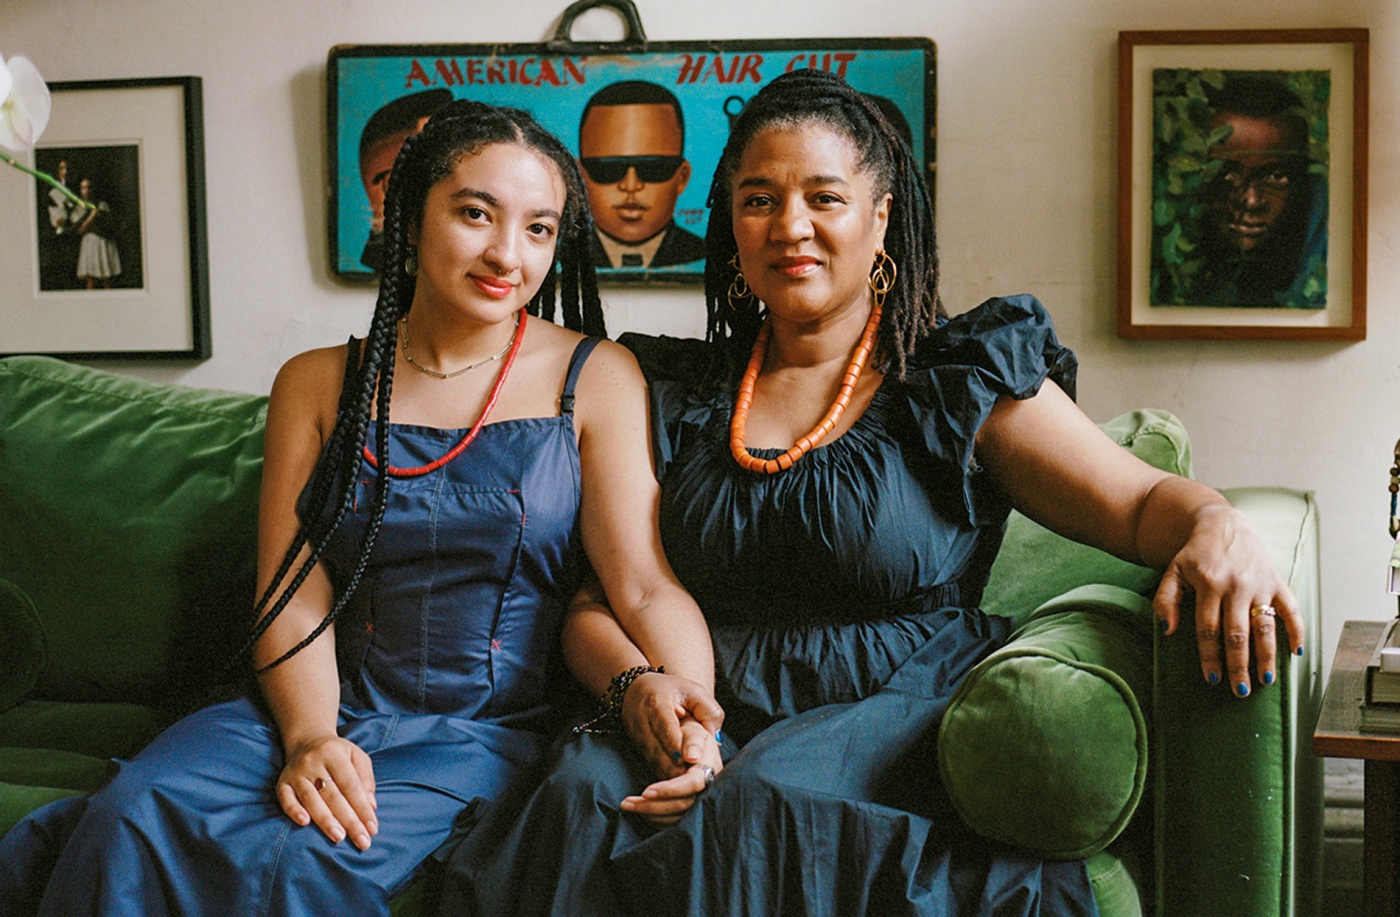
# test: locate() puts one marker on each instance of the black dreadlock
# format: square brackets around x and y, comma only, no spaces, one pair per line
[456,130]
[818,97]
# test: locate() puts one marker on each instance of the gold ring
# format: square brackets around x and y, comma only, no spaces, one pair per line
[319,784]
[1258,610]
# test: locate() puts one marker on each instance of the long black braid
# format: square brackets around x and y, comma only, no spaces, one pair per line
[815,96]
[458,129]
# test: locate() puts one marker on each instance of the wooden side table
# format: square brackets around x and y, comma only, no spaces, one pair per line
[1338,735]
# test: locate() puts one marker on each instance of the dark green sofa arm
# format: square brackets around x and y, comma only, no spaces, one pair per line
[1091,735]
[1238,793]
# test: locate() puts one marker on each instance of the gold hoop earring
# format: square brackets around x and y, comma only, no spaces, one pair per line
[738,287]
[410,264]
[882,275]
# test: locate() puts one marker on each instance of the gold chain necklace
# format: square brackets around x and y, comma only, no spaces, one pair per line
[408,354]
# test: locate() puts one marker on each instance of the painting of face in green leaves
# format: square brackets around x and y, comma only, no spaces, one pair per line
[1240,188]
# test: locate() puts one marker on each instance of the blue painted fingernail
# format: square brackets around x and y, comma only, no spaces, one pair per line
[1213,678]
[1162,625]
[1299,651]
[1268,678]
[719,736]
[676,757]
[1242,689]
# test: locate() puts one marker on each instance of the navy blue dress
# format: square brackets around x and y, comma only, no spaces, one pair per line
[841,595]
[448,688]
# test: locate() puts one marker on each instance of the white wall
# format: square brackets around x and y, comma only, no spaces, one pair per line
[1025,195]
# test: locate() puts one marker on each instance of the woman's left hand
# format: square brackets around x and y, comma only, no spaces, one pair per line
[1239,596]
[664,802]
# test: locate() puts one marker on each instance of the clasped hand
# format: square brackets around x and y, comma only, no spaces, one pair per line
[675,723]
[329,781]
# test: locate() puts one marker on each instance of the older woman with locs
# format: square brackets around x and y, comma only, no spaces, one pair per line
[837,464]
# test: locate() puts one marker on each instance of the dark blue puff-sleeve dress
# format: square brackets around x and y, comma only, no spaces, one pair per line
[842,598]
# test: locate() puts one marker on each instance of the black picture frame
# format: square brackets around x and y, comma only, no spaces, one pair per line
[144,294]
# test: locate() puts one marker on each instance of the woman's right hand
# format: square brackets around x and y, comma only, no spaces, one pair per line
[653,711]
[665,801]
[329,781]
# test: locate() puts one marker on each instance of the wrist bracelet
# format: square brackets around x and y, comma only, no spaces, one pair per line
[609,715]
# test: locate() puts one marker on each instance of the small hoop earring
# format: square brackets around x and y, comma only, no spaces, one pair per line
[882,274]
[410,264]
[739,287]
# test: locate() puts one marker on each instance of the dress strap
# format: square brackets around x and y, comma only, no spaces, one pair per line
[581,352]
[352,364]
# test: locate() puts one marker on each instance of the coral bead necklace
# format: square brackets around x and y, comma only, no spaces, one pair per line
[744,401]
[466,440]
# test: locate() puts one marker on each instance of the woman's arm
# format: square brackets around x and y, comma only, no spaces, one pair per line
[619,520]
[1062,471]
[647,616]
[303,693]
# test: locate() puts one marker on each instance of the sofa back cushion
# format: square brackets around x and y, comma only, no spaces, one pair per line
[1035,565]
[128,515]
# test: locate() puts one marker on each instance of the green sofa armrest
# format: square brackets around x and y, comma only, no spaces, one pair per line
[23,651]
[1238,793]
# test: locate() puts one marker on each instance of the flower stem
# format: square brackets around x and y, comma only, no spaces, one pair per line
[48,179]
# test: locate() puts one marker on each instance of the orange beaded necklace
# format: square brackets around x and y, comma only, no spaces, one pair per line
[744,401]
[466,440]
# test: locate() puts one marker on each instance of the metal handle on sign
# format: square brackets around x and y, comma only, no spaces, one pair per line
[635,37]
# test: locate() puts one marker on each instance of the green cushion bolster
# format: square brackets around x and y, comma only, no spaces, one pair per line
[1044,745]
[23,651]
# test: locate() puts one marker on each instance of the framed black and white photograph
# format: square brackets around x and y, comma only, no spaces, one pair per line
[1242,184]
[119,268]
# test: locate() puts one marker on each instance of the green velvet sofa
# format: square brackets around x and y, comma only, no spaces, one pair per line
[127,525]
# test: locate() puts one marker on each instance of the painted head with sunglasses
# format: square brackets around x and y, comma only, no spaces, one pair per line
[631,146]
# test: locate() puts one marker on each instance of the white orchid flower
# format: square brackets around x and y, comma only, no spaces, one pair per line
[24,113]
[24,104]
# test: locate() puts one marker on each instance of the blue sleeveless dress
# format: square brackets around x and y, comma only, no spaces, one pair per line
[841,595]
[448,678]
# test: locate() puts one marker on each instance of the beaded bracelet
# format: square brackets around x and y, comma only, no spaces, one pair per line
[609,715]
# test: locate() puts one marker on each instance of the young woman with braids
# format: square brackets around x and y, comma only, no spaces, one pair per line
[429,499]
[840,576]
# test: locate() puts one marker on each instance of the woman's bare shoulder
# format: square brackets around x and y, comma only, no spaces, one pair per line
[310,382]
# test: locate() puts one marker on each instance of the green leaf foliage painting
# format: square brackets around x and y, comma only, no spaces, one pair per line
[1239,188]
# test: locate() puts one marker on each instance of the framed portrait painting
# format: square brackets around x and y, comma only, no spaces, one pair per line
[119,269]
[647,121]
[1242,184]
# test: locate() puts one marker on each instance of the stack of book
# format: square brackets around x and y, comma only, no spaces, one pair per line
[1380,711]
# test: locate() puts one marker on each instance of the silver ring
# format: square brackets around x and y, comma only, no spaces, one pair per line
[709,776]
